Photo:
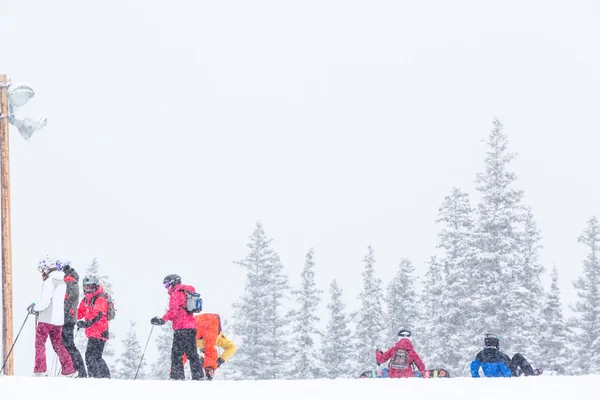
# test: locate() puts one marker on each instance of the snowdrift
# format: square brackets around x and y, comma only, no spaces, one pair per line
[526,388]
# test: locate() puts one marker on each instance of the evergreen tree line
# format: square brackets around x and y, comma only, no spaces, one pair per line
[484,278]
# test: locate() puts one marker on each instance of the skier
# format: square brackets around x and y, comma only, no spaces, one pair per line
[93,316]
[184,329]
[209,335]
[401,356]
[50,312]
[495,363]
[71,303]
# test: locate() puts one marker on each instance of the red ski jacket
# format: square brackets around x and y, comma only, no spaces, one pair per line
[89,309]
[177,312]
[401,357]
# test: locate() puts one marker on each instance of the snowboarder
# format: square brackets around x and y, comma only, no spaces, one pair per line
[184,329]
[209,335]
[51,316]
[402,356]
[93,316]
[71,303]
[495,363]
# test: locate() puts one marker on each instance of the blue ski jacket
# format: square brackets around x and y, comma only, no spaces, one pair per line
[493,362]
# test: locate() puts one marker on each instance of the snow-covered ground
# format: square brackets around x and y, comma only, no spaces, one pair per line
[530,388]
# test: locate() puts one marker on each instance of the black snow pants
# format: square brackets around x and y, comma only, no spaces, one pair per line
[520,362]
[96,365]
[69,343]
[184,342]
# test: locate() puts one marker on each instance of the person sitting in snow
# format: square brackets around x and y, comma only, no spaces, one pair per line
[402,356]
[495,363]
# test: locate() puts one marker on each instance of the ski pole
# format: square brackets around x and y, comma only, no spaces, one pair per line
[144,352]
[13,345]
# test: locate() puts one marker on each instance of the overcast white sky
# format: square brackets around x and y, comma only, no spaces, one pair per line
[175,126]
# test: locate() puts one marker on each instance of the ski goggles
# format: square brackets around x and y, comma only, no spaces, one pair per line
[167,284]
[90,288]
[491,336]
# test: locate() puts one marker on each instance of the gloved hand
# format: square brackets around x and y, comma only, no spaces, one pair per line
[209,373]
[30,309]
[83,324]
[378,351]
[157,321]
[220,361]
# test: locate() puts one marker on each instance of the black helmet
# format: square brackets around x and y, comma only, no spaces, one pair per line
[172,280]
[90,284]
[404,333]
[491,340]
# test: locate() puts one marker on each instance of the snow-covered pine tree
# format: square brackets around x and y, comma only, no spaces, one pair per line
[433,334]
[304,324]
[371,329]
[164,342]
[553,331]
[259,319]
[402,302]
[334,354]
[527,294]
[587,307]
[501,272]
[128,361]
[459,339]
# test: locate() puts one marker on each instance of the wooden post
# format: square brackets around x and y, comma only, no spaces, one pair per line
[7,315]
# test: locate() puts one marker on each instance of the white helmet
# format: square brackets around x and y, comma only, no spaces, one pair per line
[47,263]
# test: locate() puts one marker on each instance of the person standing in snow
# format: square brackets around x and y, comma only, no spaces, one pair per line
[71,303]
[51,316]
[93,316]
[184,329]
[495,363]
[402,356]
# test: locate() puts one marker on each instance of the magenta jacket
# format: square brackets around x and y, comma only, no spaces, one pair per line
[401,357]
[176,312]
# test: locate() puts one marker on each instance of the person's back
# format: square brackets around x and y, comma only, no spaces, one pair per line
[72,297]
[50,312]
[491,360]
[402,356]
[71,305]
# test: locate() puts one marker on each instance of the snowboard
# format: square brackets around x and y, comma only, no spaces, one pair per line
[383,373]
[434,373]
[429,374]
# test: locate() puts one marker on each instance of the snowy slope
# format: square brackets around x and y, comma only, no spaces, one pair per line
[531,388]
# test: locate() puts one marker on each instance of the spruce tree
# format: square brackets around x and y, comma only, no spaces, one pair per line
[259,318]
[586,323]
[129,360]
[161,368]
[527,295]
[459,338]
[304,324]
[504,275]
[371,330]
[432,333]
[402,302]
[553,331]
[335,358]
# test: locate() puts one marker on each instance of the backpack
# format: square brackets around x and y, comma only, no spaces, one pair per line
[111,305]
[193,302]
[399,359]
